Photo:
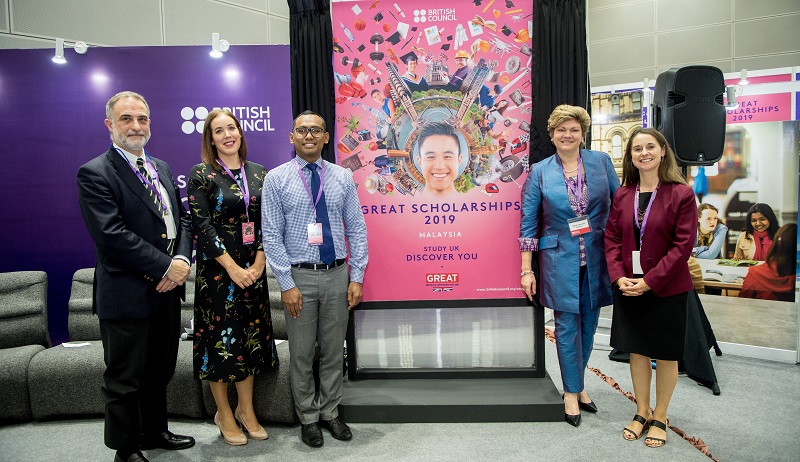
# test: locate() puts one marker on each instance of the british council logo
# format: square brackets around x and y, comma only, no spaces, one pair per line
[189,115]
[420,15]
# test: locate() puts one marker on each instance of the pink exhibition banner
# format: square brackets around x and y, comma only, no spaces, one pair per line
[762,108]
[433,117]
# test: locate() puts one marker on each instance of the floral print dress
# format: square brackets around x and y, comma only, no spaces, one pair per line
[232,326]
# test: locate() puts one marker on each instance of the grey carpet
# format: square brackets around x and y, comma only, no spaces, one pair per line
[753,420]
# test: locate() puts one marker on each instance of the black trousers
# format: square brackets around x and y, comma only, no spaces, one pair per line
[140,357]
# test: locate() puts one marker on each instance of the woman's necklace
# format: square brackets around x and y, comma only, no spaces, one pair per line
[570,171]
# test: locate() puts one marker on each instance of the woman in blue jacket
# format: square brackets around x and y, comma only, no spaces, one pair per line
[565,205]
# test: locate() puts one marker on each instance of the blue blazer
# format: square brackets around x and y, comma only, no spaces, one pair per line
[545,211]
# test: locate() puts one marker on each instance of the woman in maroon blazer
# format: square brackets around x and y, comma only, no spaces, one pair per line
[649,237]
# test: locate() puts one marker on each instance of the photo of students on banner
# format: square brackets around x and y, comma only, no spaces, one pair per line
[418,74]
[433,109]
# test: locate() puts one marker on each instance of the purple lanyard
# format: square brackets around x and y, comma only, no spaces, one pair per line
[646,212]
[308,189]
[579,189]
[242,186]
[150,185]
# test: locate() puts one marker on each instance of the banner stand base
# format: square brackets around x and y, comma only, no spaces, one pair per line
[451,400]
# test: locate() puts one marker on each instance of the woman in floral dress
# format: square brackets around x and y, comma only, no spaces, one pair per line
[233,329]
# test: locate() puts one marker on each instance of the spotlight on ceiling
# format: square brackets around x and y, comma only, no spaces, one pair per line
[59,58]
[743,79]
[218,45]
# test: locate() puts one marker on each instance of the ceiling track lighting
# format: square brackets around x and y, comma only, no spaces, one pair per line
[218,45]
[59,58]
[80,47]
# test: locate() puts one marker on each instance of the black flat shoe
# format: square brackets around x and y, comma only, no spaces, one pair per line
[574,420]
[312,435]
[588,407]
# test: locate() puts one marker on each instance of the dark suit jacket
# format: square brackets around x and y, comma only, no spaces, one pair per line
[130,236]
[668,240]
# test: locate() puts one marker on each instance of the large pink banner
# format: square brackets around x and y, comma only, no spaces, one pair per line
[433,113]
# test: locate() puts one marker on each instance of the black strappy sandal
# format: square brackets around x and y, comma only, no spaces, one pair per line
[645,425]
[656,442]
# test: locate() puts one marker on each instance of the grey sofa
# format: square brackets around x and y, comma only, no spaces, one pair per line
[23,334]
[67,381]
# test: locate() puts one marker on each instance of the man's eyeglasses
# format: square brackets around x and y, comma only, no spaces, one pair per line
[316,132]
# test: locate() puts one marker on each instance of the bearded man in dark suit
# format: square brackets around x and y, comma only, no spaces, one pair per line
[143,244]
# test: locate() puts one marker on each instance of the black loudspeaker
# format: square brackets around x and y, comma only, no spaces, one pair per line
[688,108]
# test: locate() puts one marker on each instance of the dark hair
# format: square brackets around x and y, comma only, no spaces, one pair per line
[782,255]
[433,129]
[309,113]
[374,91]
[668,171]
[765,210]
[498,88]
[208,151]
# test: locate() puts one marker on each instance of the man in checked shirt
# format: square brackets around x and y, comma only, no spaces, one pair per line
[309,207]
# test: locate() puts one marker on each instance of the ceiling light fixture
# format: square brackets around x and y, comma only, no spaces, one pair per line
[218,45]
[731,103]
[743,80]
[59,58]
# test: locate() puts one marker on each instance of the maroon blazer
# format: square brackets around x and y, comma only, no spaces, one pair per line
[667,245]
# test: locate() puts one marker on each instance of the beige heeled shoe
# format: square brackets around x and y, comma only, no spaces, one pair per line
[235,440]
[259,434]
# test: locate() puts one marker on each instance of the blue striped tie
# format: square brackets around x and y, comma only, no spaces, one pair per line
[326,251]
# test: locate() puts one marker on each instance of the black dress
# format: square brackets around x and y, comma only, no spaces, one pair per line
[649,325]
[232,326]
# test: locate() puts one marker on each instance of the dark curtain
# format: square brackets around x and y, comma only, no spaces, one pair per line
[561,73]
[310,49]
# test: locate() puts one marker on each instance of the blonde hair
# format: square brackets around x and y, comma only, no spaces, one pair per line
[564,113]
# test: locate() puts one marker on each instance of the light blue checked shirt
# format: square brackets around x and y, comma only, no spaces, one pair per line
[287,210]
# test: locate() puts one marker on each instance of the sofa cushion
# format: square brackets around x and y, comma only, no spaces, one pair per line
[23,308]
[14,365]
[68,381]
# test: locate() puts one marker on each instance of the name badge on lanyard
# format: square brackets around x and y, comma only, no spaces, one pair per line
[579,225]
[248,227]
[636,254]
[315,228]
[315,233]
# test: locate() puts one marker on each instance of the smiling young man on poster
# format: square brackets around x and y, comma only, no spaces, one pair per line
[439,157]
[311,215]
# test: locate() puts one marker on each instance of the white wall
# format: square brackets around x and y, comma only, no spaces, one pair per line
[630,40]
[37,23]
